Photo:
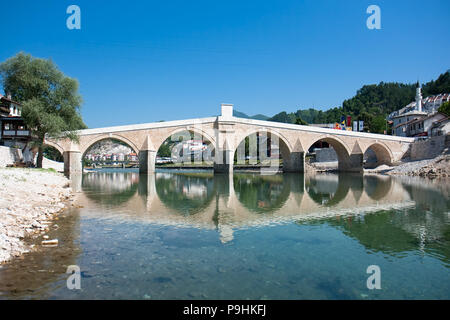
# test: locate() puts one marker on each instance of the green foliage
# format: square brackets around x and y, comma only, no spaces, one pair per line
[300,121]
[445,108]
[52,154]
[372,104]
[165,150]
[284,117]
[441,85]
[50,100]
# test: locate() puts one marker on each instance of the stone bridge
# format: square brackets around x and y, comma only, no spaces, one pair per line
[225,133]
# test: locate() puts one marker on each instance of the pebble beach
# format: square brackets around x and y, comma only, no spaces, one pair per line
[29,200]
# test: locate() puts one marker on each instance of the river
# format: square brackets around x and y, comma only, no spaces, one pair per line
[195,235]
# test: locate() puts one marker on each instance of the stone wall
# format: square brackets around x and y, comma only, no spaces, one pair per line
[325,155]
[9,156]
[427,149]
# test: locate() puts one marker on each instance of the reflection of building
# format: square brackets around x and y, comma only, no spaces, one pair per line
[194,191]
[13,130]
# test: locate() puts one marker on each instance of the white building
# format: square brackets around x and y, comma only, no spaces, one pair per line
[405,122]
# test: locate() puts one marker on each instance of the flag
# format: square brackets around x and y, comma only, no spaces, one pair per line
[355,125]
[361,125]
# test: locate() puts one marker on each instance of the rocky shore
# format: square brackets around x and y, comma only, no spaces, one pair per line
[431,168]
[29,201]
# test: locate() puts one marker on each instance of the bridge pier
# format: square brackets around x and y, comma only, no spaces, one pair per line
[224,161]
[295,162]
[72,163]
[147,161]
[354,163]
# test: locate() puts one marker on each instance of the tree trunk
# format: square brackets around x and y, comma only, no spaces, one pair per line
[40,154]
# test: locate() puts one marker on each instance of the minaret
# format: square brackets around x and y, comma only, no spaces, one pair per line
[418,97]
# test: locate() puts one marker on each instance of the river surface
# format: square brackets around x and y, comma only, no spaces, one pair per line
[195,235]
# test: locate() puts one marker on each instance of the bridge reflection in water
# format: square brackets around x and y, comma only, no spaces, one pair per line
[230,202]
[184,235]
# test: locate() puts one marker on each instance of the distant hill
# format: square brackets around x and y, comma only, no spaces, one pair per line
[372,103]
[239,114]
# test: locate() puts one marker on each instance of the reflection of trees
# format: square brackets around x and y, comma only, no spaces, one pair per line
[424,228]
[110,188]
[329,190]
[377,187]
[261,193]
[186,193]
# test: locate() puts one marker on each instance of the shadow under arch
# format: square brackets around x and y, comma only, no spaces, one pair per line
[261,193]
[328,190]
[110,188]
[382,153]
[342,152]
[187,193]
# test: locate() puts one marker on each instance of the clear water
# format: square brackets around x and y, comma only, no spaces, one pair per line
[193,235]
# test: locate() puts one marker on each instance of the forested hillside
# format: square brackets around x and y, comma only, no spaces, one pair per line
[372,103]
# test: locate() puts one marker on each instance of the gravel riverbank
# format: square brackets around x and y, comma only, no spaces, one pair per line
[432,168]
[29,200]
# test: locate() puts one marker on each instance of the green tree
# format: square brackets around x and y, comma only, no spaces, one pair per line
[165,150]
[445,108]
[50,100]
[300,121]
[378,124]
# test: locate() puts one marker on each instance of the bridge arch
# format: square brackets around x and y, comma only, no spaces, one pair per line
[193,129]
[340,147]
[284,144]
[382,152]
[54,145]
[282,137]
[85,147]
[210,141]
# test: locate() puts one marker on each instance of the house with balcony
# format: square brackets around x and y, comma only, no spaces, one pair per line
[422,127]
[14,132]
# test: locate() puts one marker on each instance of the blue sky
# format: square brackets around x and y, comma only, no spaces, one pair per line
[145,61]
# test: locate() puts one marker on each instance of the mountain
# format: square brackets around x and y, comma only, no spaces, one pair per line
[239,114]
